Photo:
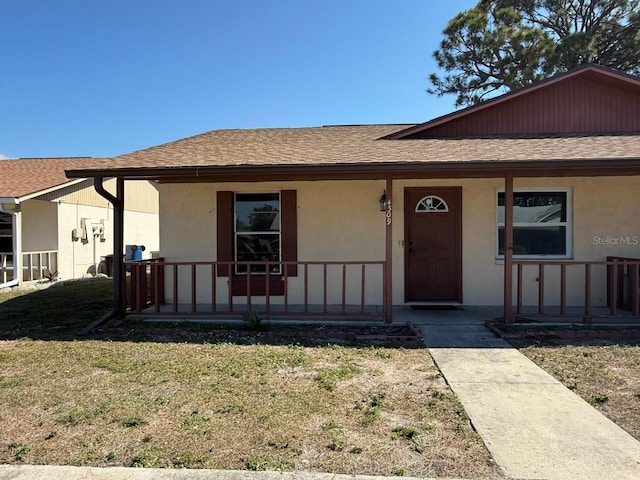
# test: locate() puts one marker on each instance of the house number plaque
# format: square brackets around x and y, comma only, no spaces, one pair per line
[389,212]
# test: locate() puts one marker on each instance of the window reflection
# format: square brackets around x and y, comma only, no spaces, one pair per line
[257,231]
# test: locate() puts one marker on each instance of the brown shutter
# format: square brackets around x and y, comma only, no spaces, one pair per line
[224,230]
[289,235]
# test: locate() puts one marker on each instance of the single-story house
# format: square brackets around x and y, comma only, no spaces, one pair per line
[51,226]
[522,201]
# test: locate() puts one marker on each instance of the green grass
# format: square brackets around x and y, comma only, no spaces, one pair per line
[329,377]
[370,408]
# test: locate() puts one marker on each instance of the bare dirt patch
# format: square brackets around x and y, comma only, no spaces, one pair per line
[307,333]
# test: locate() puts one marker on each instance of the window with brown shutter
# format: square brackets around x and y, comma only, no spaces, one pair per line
[257,227]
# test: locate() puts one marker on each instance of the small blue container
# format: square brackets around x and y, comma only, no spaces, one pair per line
[137,254]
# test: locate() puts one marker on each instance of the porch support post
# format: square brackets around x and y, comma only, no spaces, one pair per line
[17,257]
[119,303]
[508,248]
[388,256]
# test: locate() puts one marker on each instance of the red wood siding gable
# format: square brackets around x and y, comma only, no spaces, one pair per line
[588,101]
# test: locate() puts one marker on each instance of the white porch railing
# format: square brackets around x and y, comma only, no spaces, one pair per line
[6,267]
[38,265]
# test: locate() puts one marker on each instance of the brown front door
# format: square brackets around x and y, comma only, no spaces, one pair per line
[433,244]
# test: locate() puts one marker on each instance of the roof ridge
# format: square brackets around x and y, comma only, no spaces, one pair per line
[247,130]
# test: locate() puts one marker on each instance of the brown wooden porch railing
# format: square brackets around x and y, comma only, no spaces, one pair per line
[148,290]
[616,270]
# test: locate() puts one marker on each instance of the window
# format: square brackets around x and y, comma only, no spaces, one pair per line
[257,231]
[432,203]
[257,227]
[541,223]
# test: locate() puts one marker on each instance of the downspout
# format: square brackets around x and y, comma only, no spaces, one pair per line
[119,297]
[17,242]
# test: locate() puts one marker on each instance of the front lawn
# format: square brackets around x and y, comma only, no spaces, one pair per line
[187,401]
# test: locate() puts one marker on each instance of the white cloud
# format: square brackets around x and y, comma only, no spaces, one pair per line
[2,157]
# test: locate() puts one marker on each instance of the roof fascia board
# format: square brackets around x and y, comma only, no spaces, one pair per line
[510,96]
[51,189]
[380,168]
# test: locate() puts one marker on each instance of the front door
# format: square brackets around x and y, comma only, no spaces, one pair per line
[433,244]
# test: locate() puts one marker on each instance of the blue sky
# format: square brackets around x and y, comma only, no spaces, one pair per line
[102,78]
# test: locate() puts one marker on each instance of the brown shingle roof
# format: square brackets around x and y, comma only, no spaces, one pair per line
[369,147]
[26,176]
[357,145]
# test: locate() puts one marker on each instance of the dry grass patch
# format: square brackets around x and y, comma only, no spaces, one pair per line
[605,375]
[336,409]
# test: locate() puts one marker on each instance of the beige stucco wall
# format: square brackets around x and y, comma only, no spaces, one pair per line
[601,207]
[341,221]
[76,257]
[337,221]
[39,226]
[48,220]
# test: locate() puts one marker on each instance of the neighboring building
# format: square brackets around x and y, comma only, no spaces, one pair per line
[49,224]
[309,200]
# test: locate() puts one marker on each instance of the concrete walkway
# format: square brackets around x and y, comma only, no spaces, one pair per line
[534,427]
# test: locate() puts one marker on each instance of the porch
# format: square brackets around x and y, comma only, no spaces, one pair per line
[187,284]
[567,291]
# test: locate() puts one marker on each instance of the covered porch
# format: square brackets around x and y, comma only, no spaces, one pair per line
[368,289]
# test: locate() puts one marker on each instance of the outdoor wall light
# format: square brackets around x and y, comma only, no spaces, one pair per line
[383,202]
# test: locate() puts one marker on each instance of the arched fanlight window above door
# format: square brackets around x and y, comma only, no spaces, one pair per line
[432,203]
